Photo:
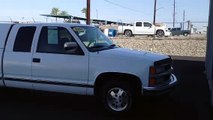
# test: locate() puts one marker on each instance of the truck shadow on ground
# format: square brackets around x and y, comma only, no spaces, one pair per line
[190,100]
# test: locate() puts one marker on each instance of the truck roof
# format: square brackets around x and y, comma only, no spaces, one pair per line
[43,24]
[5,27]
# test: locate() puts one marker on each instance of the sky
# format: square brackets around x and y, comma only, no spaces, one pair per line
[116,10]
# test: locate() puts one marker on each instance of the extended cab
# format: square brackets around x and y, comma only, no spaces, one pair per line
[144,28]
[79,59]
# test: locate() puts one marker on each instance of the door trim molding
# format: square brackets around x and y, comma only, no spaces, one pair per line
[48,82]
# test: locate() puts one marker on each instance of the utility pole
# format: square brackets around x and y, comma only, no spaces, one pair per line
[189,25]
[155,6]
[174,14]
[88,12]
[184,16]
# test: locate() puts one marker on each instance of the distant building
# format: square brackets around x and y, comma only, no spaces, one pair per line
[202,30]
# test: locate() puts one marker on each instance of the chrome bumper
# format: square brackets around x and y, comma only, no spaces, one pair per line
[172,83]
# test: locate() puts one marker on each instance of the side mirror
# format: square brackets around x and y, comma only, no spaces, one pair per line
[70,46]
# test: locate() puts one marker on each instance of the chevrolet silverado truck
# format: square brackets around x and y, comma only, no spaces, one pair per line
[144,28]
[80,59]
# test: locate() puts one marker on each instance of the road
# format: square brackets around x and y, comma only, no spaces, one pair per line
[190,100]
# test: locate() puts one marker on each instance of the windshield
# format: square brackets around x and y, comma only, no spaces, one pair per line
[93,38]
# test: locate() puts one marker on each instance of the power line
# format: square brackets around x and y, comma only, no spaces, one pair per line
[116,4]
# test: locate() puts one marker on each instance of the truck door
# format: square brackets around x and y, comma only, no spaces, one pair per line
[179,32]
[56,69]
[18,56]
[138,28]
[148,28]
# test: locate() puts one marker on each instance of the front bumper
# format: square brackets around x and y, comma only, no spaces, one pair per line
[167,34]
[160,89]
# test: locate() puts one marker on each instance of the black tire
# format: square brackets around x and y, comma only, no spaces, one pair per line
[150,35]
[185,34]
[160,33]
[117,97]
[128,33]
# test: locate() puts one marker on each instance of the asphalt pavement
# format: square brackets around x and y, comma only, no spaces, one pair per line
[189,101]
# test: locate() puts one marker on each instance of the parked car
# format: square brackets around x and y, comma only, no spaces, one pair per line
[179,31]
[80,59]
[143,28]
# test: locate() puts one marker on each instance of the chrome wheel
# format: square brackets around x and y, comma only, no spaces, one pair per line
[117,99]
[128,33]
[160,33]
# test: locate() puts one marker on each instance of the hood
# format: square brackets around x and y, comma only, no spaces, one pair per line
[121,60]
[134,54]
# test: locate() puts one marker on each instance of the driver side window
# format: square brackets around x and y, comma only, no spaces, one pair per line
[52,40]
[146,24]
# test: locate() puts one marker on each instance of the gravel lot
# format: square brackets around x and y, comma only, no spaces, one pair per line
[194,45]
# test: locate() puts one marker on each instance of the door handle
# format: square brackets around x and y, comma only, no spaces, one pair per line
[36,60]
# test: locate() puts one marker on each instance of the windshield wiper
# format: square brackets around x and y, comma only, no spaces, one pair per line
[97,47]
[102,47]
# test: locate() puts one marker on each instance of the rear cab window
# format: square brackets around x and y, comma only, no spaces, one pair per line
[24,38]
[138,24]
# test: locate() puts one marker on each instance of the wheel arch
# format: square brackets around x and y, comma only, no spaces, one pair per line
[160,30]
[127,30]
[186,32]
[131,79]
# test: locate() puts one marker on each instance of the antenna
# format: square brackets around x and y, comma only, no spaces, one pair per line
[33,19]
[11,20]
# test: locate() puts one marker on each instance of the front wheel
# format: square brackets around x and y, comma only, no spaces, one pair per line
[160,33]
[117,97]
[185,34]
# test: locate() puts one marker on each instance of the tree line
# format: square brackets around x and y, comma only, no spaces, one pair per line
[57,11]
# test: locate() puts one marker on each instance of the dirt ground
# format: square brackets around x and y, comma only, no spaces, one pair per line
[193,45]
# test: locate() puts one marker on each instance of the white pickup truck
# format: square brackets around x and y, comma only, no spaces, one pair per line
[144,28]
[80,59]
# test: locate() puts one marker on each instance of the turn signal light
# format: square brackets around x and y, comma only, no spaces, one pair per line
[152,82]
[152,70]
